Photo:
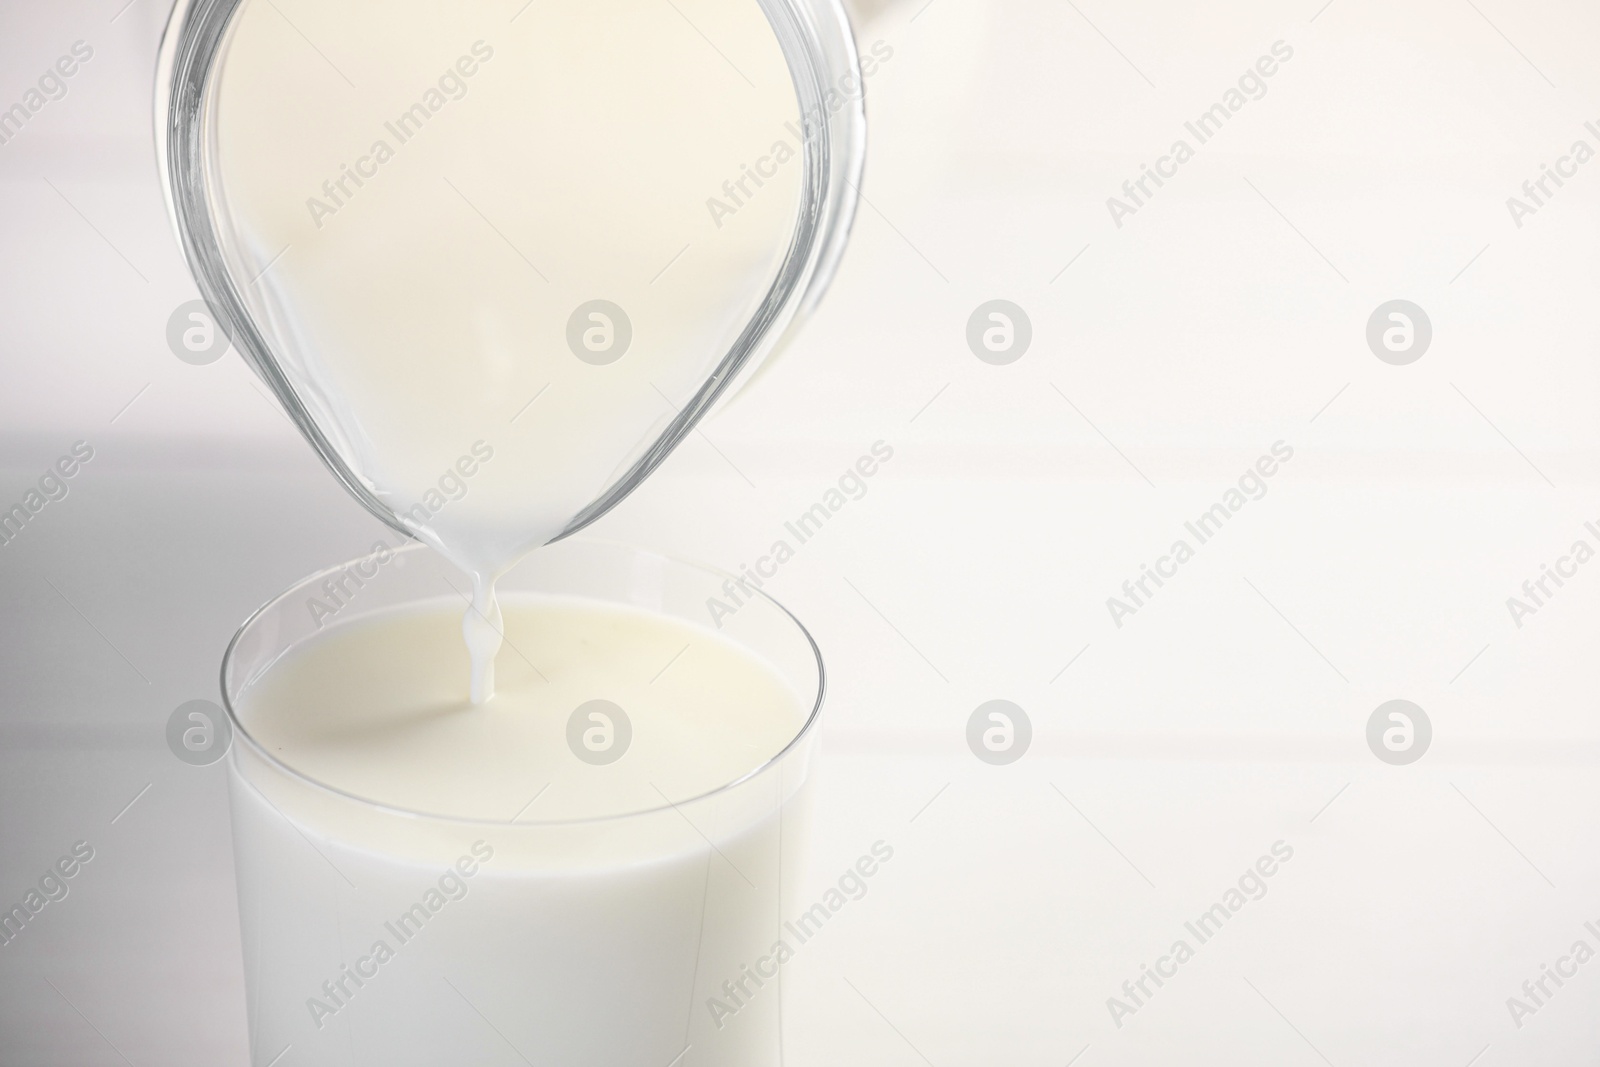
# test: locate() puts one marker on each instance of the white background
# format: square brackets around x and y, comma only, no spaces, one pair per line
[1167,355]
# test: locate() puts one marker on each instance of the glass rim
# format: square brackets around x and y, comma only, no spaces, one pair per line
[240,732]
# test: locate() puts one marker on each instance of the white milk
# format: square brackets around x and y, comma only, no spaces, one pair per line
[376,709]
[427,191]
[374,936]
[428,198]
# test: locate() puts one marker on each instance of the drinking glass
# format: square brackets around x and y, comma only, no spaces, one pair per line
[376,935]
